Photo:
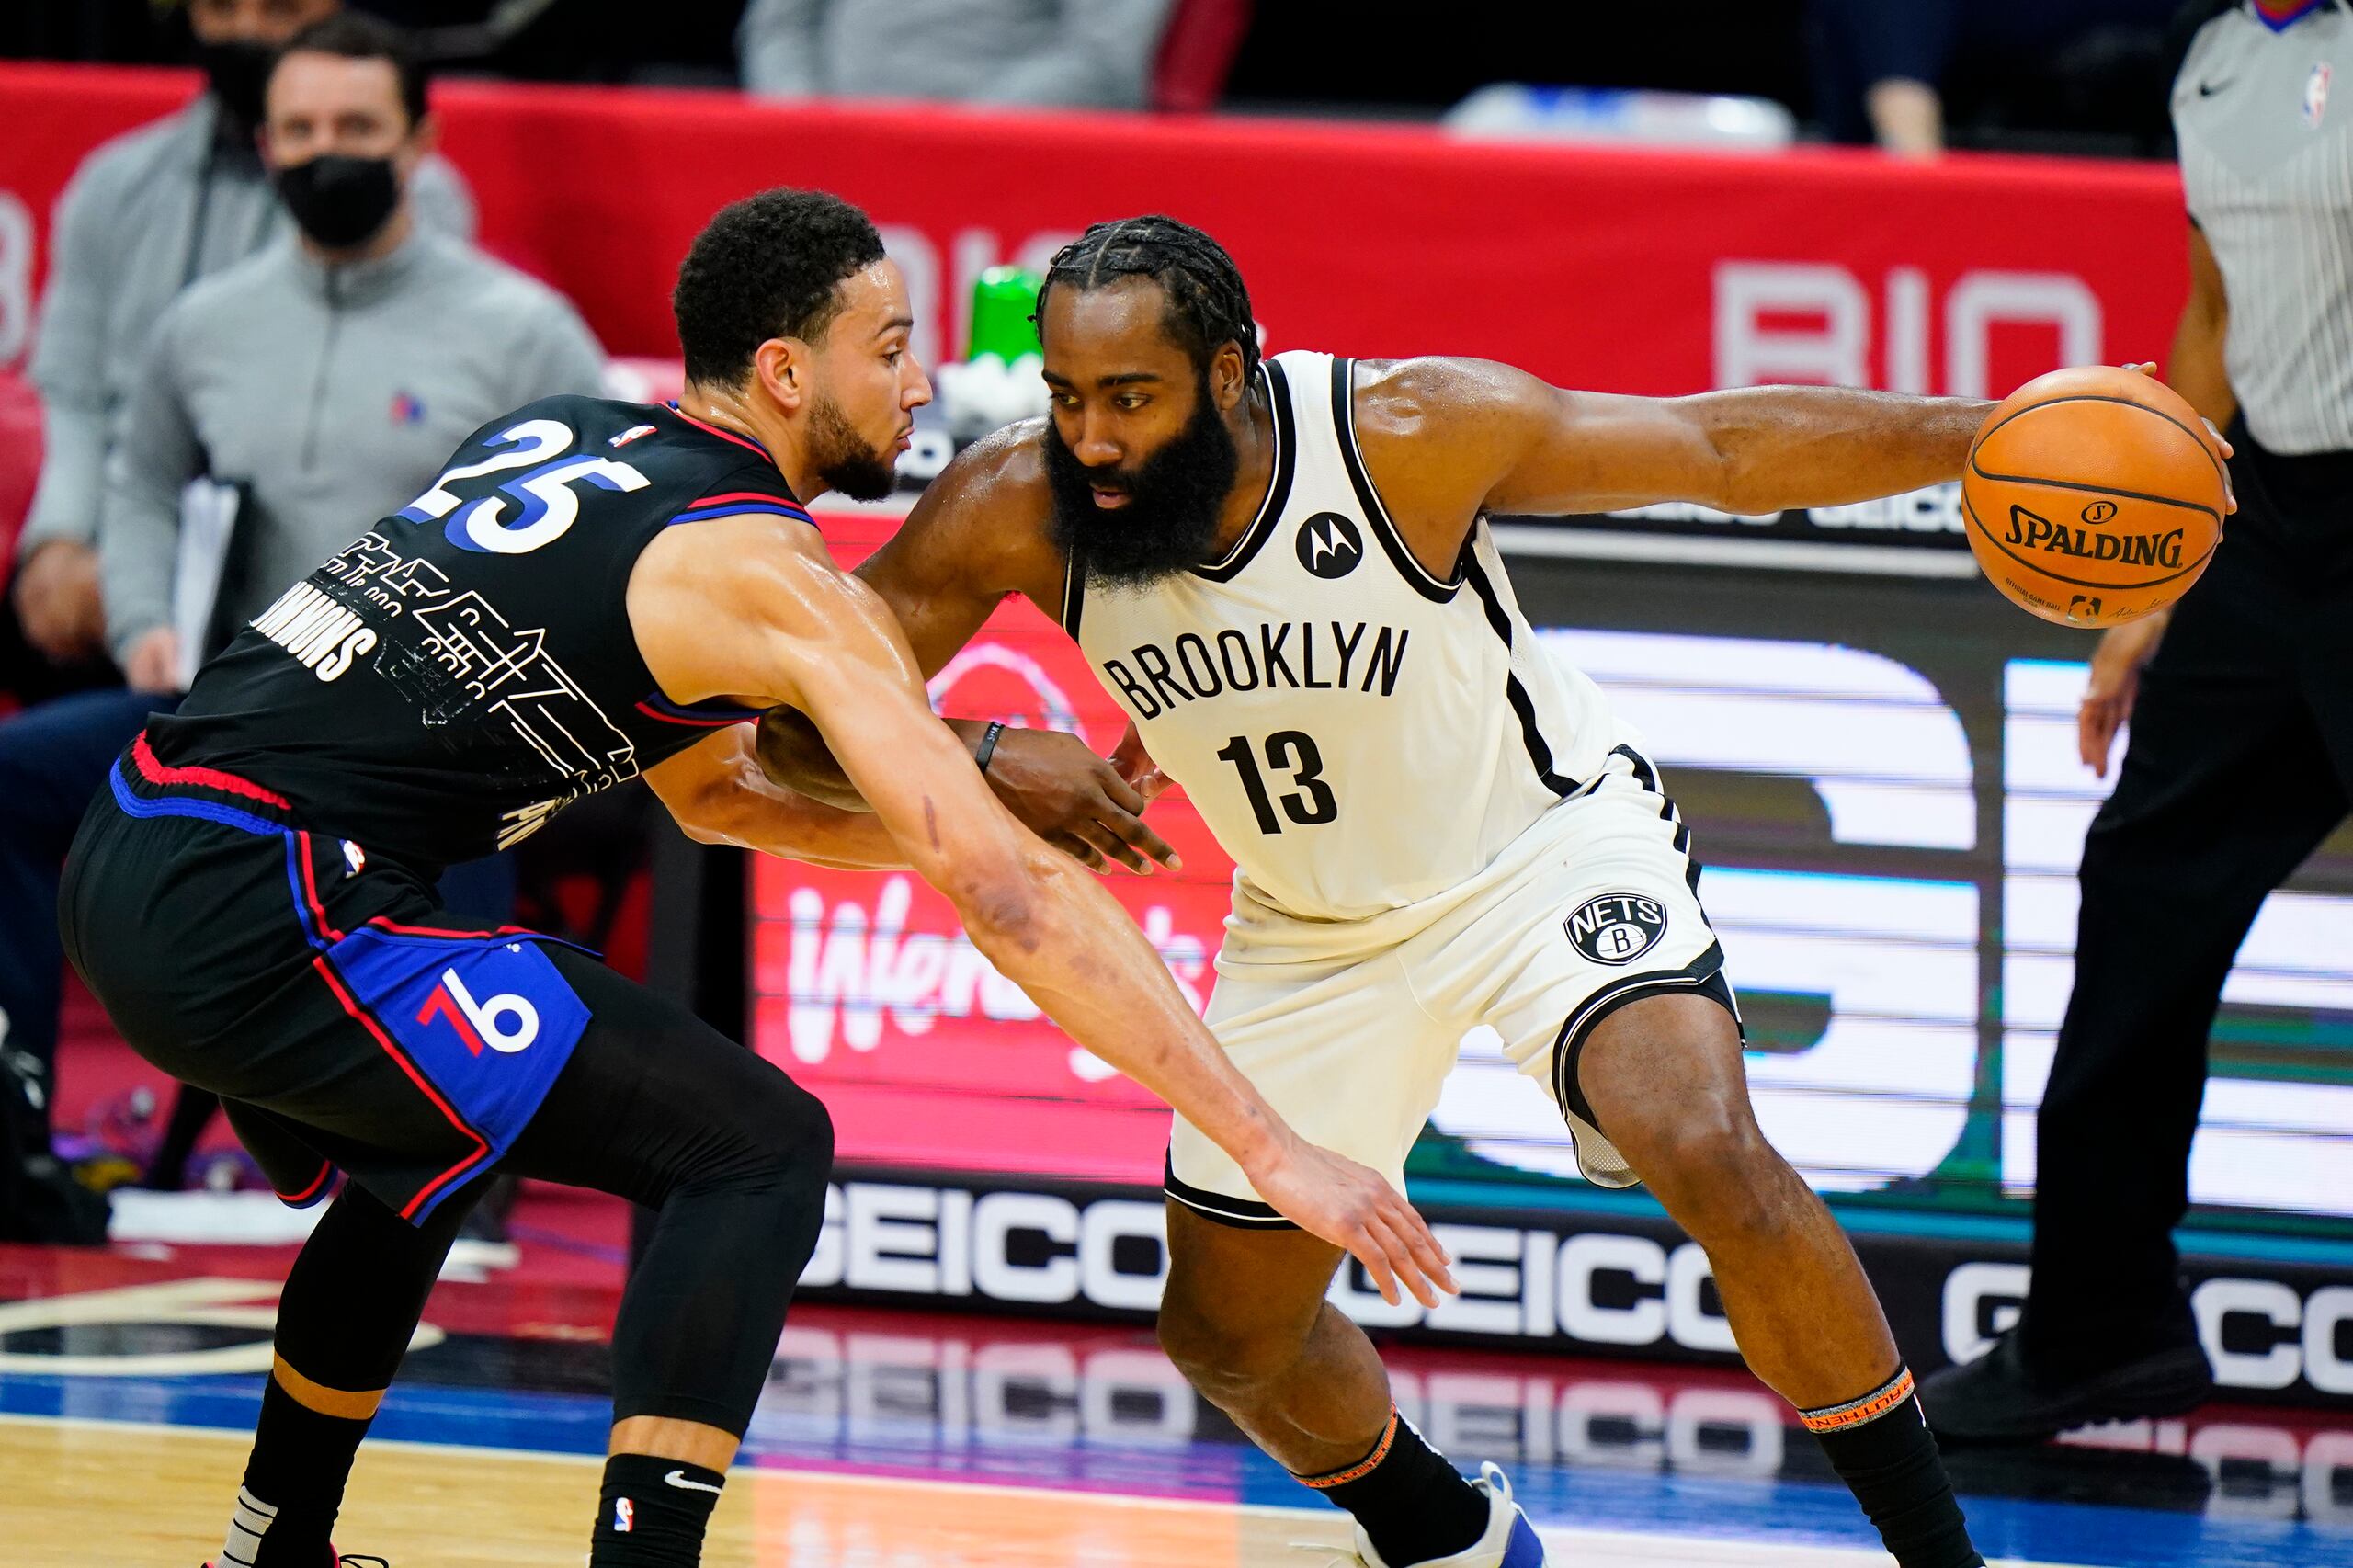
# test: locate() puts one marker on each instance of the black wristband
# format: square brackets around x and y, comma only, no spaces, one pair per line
[988,743]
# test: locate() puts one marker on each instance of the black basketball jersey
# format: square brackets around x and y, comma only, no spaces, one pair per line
[456,675]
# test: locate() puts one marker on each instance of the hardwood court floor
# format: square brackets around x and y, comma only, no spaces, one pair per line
[89,1492]
[129,1380]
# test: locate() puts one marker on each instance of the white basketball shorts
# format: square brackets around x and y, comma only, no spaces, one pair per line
[1349,1029]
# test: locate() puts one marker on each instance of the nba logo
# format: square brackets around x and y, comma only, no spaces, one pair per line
[624,1516]
[408,409]
[2316,95]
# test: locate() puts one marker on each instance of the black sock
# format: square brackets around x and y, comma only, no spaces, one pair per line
[653,1512]
[293,1486]
[1880,1446]
[1412,1505]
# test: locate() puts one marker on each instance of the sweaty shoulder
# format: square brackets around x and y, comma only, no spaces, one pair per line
[1436,431]
[985,518]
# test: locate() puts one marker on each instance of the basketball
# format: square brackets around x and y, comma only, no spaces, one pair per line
[2091,497]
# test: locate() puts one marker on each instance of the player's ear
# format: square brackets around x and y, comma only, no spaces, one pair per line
[1229,380]
[781,366]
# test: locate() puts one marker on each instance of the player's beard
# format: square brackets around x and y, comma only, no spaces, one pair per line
[1174,499]
[844,459]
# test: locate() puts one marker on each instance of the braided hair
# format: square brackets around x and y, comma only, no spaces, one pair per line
[1208,304]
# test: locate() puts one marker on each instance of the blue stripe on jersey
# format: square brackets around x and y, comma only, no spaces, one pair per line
[181,806]
[714,712]
[781,509]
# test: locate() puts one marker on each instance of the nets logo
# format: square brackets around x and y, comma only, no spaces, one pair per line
[1329,545]
[1617,927]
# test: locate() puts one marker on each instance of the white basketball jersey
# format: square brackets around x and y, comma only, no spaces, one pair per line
[1358,735]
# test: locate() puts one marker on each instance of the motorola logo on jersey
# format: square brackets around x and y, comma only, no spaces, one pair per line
[1617,927]
[1329,545]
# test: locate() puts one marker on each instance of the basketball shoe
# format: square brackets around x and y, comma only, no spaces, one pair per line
[1510,1541]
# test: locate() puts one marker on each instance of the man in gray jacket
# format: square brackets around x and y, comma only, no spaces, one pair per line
[146,215]
[324,380]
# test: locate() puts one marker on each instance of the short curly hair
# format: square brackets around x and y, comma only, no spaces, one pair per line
[769,266]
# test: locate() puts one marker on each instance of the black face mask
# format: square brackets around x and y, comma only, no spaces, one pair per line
[339,202]
[238,72]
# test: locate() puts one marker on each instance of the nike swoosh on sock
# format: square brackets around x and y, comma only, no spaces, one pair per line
[678,1478]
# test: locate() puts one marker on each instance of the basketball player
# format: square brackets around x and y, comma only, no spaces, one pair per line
[1281,572]
[592,591]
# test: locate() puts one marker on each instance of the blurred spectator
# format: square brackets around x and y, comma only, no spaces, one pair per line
[324,383]
[1068,53]
[1880,66]
[146,215]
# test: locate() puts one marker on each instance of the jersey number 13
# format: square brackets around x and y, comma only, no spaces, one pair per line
[1291,751]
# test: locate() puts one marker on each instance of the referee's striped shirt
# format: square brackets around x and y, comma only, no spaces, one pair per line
[2264,115]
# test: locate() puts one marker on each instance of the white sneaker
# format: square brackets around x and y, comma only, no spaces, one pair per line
[1510,1541]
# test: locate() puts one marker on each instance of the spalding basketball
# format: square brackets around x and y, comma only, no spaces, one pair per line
[2091,498]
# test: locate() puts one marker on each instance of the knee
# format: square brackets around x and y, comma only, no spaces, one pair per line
[784,1144]
[1715,1173]
[1222,1354]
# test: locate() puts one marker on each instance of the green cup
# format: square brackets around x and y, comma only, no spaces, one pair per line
[1004,301]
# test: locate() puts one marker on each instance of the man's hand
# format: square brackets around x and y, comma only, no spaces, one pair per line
[1076,800]
[58,602]
[153,663]
[2116,680]
[1350,1205]
[1135,765]
[2215,445]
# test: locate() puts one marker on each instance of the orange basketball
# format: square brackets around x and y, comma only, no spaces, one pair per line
[2091,498]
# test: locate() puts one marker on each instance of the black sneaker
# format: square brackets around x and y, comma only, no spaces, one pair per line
[1997,1399]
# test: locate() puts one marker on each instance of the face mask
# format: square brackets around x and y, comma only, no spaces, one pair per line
[238,72]
[339,201]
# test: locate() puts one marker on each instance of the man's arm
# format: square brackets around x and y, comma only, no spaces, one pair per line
[155,454]
[719,795]
[1449,438]
[2196,371]
[974,536]
[753,609]
[57,592]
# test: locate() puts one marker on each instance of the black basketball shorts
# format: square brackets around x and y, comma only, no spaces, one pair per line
[343,1018]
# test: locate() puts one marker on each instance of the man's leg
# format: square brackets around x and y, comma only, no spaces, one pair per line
[658,1107]
[52,759]
[1244,1319]
[653,1105]
[1665,1079]
[343,1321]
[2225,787]
[2203,825]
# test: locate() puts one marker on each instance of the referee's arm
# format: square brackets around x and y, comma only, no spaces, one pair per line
[2195,369]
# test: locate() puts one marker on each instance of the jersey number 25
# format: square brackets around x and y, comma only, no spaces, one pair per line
[543,502]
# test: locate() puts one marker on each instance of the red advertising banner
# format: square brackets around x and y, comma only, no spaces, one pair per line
[866,989]
[1636,271]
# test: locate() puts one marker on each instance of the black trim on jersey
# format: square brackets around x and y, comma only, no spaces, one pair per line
[1702,976]
[1539,751]
[1645,776]
[1384,527]
[1262,526]
[1241,1213]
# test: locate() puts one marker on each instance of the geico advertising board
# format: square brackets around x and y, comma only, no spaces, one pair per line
[1881,780]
